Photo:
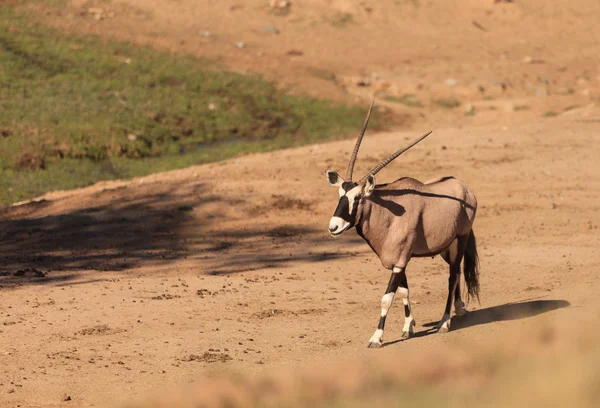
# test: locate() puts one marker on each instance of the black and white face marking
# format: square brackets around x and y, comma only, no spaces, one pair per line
[344,216]
[350,193]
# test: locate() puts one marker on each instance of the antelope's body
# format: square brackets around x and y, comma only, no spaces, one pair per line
[406,219]
[420,219]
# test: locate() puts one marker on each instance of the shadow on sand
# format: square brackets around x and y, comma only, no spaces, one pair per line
[120,230]
[508,311]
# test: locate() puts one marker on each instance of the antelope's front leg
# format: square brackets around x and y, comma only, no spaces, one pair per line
[386,302]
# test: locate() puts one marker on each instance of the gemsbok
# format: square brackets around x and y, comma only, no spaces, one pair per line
[405,219]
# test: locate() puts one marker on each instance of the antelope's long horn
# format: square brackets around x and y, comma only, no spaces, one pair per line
[357,146]
[392,157]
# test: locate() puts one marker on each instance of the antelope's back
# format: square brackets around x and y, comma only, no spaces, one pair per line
[453,199]
[445,207]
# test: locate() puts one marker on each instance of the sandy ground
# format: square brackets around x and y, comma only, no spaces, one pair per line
[501,60]
[159,281]
[127,288]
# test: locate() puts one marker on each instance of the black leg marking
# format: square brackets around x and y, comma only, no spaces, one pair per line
[444,325]
[386,303]
[452,281]
[409,321]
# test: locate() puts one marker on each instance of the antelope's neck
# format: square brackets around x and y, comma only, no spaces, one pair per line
[363,225]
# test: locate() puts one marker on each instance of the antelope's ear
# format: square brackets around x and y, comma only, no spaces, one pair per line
[333,178]
[370,185]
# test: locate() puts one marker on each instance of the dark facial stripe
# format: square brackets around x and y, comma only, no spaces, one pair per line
[343,210]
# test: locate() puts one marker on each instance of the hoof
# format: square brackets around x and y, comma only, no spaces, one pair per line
[444,324]
[459,308]
[375,344]
[406,335]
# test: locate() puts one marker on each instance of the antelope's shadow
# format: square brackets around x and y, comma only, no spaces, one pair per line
[500,313]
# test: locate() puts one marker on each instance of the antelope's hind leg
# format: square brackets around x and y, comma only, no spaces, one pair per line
[444,324]
[459,305]
[453,256]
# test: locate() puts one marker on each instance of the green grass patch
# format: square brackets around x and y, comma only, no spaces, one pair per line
[409,100]
[447,103]
[78,109]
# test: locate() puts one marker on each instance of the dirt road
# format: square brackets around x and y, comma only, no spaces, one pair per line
[155,282]
[122,289]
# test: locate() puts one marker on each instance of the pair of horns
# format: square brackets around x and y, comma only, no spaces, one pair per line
[384,163]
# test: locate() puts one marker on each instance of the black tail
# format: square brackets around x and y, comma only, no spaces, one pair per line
[471,268]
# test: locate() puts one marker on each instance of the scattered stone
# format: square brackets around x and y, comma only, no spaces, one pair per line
[67,398]
[30,272]
[208,357]
[451,82]
[364,82]
[212,106]
[132,137]
[95,10]
[270,29]
[240,44]
[477,25]
[469,109]
[279,4]
[543,91]
[500,84]
[202,292]
[101,329]
[205,33]
[295,53]
[531,60]
[165,296]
